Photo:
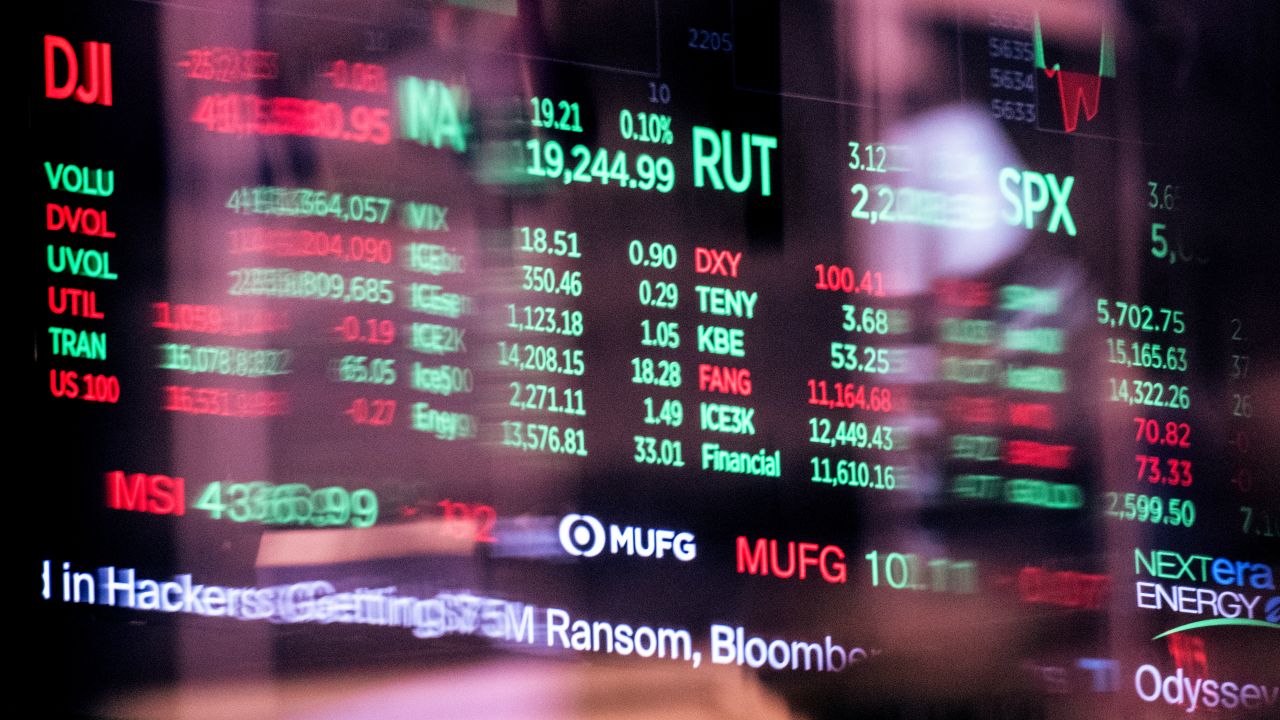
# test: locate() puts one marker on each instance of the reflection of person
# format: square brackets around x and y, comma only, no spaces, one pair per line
[1000,472]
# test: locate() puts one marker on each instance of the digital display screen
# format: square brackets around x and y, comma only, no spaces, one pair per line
[729,358]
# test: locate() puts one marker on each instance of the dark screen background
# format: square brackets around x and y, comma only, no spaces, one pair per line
[969,435]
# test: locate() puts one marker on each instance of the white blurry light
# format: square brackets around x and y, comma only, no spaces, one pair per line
[956,152]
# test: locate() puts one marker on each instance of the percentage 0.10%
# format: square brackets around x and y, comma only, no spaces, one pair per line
[645,127]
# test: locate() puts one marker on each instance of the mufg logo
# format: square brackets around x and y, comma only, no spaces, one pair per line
[585,536]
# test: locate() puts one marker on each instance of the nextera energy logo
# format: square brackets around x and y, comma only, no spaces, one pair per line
[585,536]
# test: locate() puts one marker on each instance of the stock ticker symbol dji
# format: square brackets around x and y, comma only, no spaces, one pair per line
[585,536]
[86,76]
